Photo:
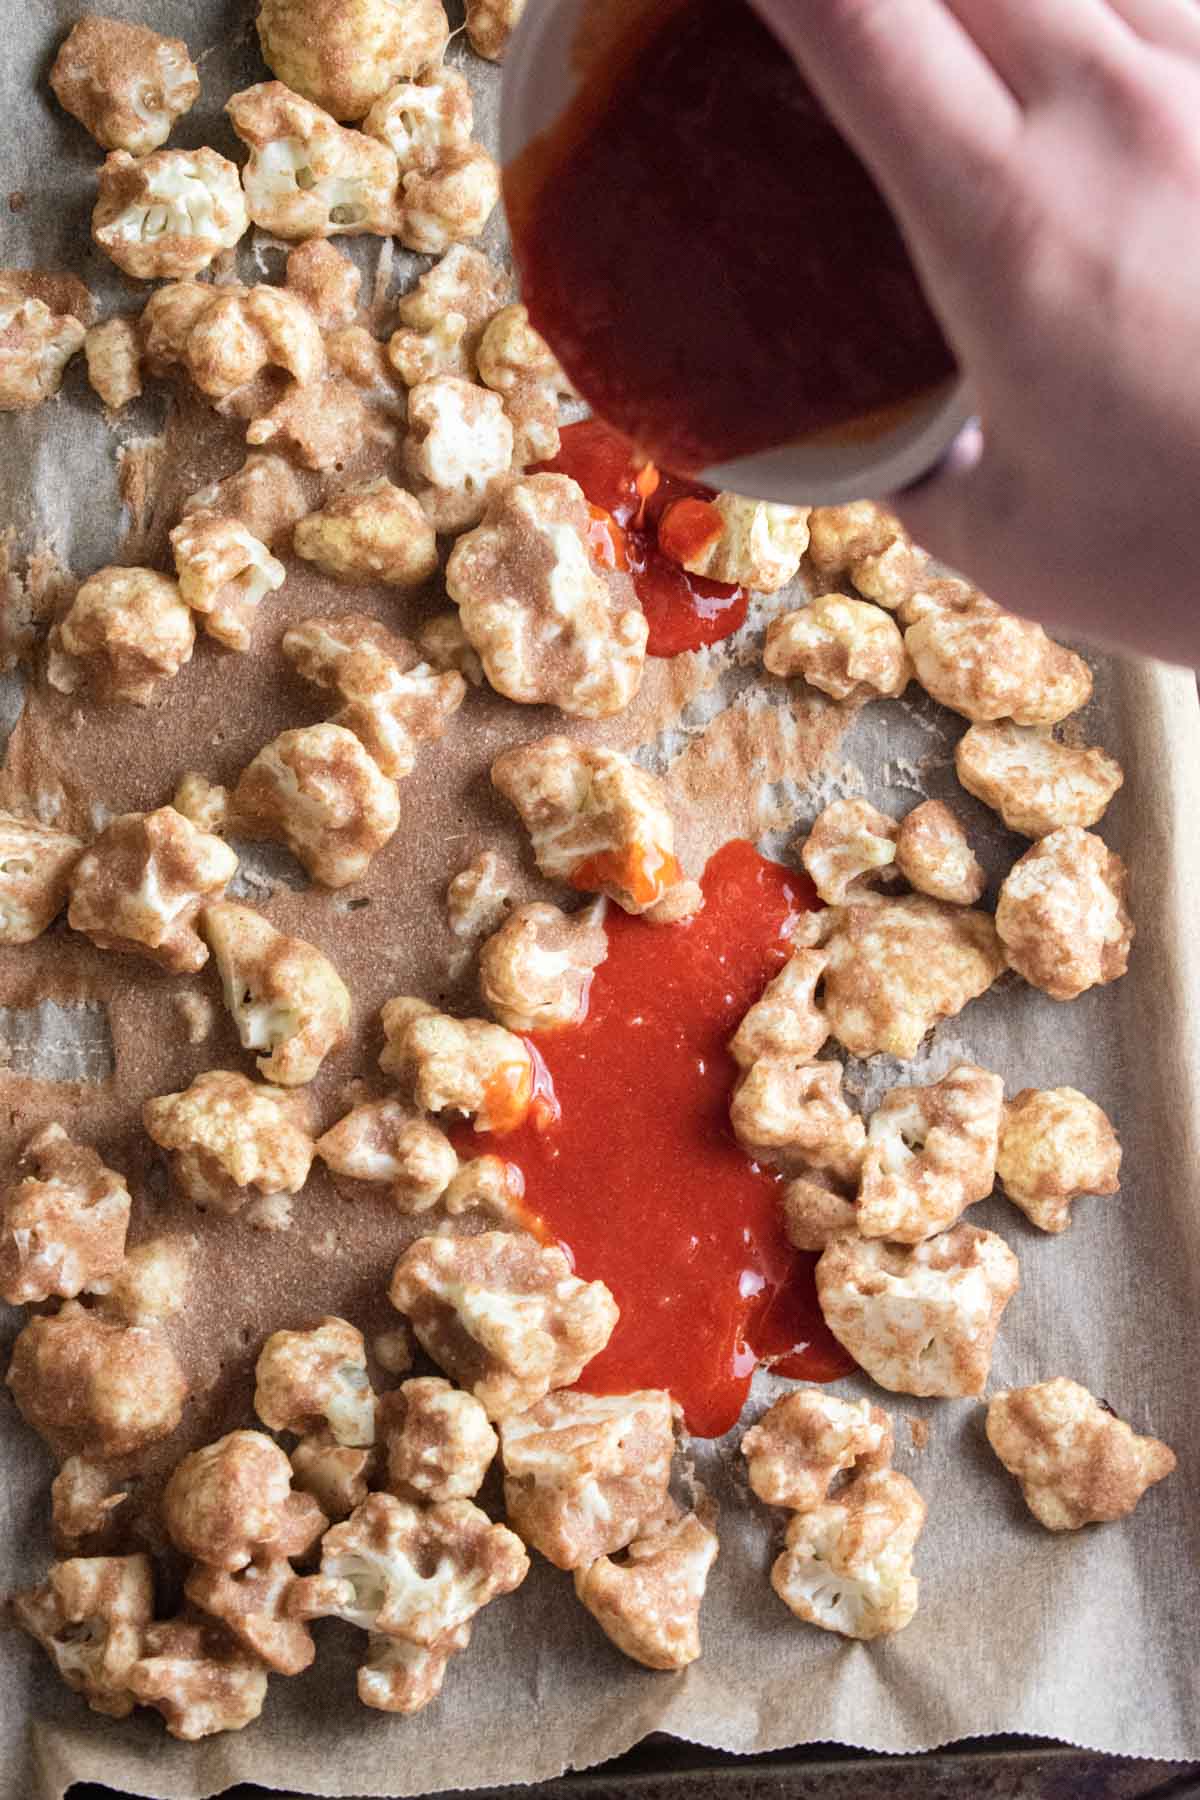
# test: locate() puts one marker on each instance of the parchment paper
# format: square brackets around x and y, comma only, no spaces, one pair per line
[1088,1637]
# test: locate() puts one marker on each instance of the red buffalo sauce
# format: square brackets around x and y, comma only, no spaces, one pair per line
[712,264]
[640,1177]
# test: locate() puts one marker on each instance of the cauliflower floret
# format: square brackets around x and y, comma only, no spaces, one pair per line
[35,870]
[314,1378]
[265,494]
[517,362]
[203,803]
[871,546]
[583,1473]
[231,1504]
[934,855]
[142,883]
[459,445]
[477,897]
[750,543]
[344,54]
[336,1475]
[84,1498]
[987,664]
[357,354]
[386,1143]
[400,1677]
[931,1153]
[129,629]
[787,1020]
[321,424]
[224,572]
[124,83]
[35,347]
[1061,914]
[166,320]
[65,1219]
[1055,1146]
[283,995]
[243,331]
[460,1065]
[198,1679]
[253,1607]
[648,1603]
[920,1320]
[326,281]
[487,1184]
[89,1615]
[441,322]
[502,1314]
[114,362]
[817,1208]
[373,532]
[849,841]
[317,791]
[1078,1464]
[1035,783]
[790,1111]
[847,648]
[168,214]
[95,1388]
[848,1563]
[536,971]
[449,204]
[490,25]
[437,1440]
[151,1284]
[808,1437]
[307,176]
[231,1140]
[425,120]
[552,624]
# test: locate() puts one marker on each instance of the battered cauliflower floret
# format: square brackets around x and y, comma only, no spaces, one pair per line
[89,1615]
[319,792]
[232,1140]
[35,870]
[490,25]
[442,320]
[424,120]
[807,1438]
[386,1143]
[113,352]
[95,1388]
[931,1153]
[584,1472]
[437,1442]
[243,331]
[848,1564]
[373,532]
[850,841]
[326,281]
[336,1475]
[517,362]
[934,855]
[306,1380]
[231,1504]
[1061,914]
[307,176]
[84,1498]
[535,973]
[223,572]
[64,1223]
[399,1677]
[344,54]
[817,1208]
[151,1284]
[553,625]
[198,1678]
[284,996]
[790,1111]
[166,320]
[487,1184]
[459,445]
[265,494]
[203,803]
[141,885]
[1055,1146]
[1077,1463]
[648,1603]
[124,83]
[598,822]
[988,664]
[36,345]
[411,1572]
[920,1320]
[870,545]
[847,648]
[477,897]
[252,1606]
[460,1065]
[751,543]
[1035,783]
[502,1315]
[321,424]
[787,1021]
[449,204]
[168,214]
[127,631]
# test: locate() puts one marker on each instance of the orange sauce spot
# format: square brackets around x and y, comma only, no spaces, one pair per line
[508,1096]
[643,871]
[688,529]
[606,540]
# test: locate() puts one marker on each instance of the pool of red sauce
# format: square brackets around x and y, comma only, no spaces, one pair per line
[684,611]
[640,1178]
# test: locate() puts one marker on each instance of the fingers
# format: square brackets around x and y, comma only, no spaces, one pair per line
[1040,47]
[1169,24]
[941,512]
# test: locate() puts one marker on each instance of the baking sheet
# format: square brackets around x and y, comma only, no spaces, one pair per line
[1088,1638]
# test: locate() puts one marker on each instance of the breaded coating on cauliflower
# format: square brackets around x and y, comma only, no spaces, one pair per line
[1035,783]
[127,631]
[36,344]
[223,572]
[848,1564]
[245,330]
[459,445]
[203,803]
[89,1615]
[252,1605]
[317,791]
[308,177]
[344,54]
[372,532]
[934,855]
[84,1498]
[599,823]
[400,1677]
[1077,1463]
[487,1184]
[849,842]
[426,119]
[151,1283]
[231,1504]
[437,1442]
[265,494]
[818,1208]
[168,214]
[322,425]
[113,353]
[142,883]
[988,664]
[847,648]
[199,1678]
[584,1472]
[490,25]
[448,204]
[64,1221]
[789,1111]
[787,1021]
[1055,1146]
[35,870]
[327,282]
[465,1066]
[751,543]
[232,1140]
[95,1388]
[284,996]
[442,320]
[336,1475]
[1061,914]
[920,1320]
[868,543]
[806,1439]
[931,1153]
[649,1602]
[307,1380]
[536,971]
[517,362]
[477,897]
[502,1314]
[124,83]
[389,1144]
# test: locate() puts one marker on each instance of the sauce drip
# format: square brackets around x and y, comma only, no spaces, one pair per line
[647,509]
[641,1180]
[713,266]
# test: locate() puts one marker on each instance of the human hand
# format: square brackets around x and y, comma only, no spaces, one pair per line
[1043,159]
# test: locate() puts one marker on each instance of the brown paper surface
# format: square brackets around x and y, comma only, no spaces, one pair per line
[1087,1637]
